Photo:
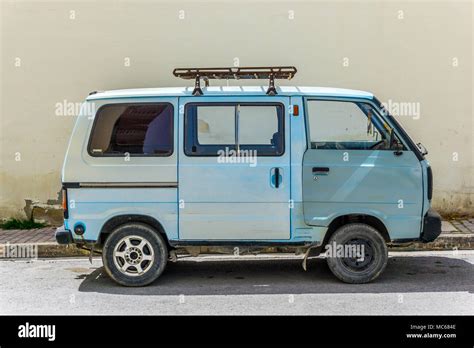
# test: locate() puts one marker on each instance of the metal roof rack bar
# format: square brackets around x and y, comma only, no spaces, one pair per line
[245,73]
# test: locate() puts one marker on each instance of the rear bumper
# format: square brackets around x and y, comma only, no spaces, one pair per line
[431,226]
[63,236]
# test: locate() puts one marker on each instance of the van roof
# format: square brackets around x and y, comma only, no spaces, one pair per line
[230,90]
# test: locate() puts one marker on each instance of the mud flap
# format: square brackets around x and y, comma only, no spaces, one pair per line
[311,252]
[90,254]
[173,257]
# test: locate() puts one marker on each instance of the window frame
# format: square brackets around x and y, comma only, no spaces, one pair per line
[94,125]
[190,132]
[370,102]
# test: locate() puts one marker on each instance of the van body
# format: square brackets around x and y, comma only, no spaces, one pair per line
[150,174]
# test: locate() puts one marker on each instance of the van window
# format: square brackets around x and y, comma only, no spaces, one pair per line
[258,124]
[345,125]
[135,129]
[216,125]
[210,128]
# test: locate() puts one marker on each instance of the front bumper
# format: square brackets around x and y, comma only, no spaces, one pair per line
[63,236]
[431,226]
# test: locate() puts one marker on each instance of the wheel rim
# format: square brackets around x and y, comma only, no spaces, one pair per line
[355,263]
[133,255]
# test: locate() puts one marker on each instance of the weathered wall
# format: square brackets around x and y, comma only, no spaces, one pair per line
[402,51]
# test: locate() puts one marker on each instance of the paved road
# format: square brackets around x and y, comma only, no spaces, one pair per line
[413,283]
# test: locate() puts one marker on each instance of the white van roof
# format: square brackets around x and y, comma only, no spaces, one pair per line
[230,90]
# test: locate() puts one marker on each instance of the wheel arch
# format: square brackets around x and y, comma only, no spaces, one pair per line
[368,219]
[123,219]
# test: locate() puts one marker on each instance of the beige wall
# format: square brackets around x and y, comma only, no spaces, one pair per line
[401,51]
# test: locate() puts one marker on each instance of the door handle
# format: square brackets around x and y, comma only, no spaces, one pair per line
[276,177]
[320,170]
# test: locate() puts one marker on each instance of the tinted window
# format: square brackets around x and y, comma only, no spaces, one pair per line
[136,129]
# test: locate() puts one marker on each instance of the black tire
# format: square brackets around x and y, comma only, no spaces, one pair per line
[358,270]
[135,247]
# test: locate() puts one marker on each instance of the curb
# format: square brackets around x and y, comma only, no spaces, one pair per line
[46,250]
[448,241]
[56,250]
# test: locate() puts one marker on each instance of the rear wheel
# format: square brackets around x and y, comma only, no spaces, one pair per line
[356,253]
[134,254]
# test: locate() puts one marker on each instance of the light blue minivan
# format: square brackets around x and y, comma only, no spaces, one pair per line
[153,174]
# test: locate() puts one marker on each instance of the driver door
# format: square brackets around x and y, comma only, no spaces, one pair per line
[350,167]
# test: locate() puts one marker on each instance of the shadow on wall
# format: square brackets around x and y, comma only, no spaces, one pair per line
[403,274]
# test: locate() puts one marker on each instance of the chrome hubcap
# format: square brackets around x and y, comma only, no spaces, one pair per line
[133,255]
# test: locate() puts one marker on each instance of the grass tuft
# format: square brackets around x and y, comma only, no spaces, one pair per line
[17,224]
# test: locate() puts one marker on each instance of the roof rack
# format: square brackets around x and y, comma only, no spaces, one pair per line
[271,73]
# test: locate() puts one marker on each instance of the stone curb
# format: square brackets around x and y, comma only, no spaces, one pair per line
[50,250]
[452,241]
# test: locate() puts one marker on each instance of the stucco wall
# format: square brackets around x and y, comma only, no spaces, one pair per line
[58,51]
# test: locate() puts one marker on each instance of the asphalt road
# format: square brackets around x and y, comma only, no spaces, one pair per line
[413,283]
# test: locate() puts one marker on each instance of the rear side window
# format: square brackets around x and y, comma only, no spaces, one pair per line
[210,128]
[134,129]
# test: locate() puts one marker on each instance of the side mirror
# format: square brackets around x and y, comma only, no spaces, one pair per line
[423,149]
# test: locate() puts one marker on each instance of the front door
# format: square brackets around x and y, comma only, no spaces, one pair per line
[234,177]
[352,166]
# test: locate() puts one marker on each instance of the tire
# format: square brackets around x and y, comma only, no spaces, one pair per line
[134,254]
[357,270]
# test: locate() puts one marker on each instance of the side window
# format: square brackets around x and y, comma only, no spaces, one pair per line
[344,125]
[210,128]
[135,129]
[258,125]
[215,125]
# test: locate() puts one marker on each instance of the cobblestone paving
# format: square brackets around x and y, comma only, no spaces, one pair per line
[463,226]
[38,235]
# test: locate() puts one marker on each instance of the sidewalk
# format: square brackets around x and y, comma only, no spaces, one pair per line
[42,239]
[38,235]
[456,234]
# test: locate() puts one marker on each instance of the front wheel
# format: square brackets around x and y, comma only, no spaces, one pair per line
[134,254]
[356,253]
